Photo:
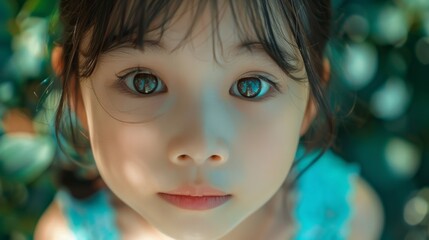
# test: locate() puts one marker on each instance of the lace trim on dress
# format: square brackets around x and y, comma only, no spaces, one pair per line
[324,194]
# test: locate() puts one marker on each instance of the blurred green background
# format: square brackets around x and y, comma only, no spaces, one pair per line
[380,60]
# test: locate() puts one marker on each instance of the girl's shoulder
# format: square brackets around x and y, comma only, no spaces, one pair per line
[368,217]
[53,224]
[333,201]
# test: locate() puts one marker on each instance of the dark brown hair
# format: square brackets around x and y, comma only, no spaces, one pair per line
[110,25]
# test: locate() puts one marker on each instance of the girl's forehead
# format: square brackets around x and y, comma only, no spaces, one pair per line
[190,30]
[228,27]
[195,21]
[222,38]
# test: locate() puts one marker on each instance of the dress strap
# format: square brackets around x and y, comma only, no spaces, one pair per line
[91,218]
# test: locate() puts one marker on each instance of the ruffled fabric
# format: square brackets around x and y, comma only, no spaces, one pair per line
[324,194]
[89,219]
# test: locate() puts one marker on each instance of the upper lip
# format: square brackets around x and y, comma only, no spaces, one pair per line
[196,190]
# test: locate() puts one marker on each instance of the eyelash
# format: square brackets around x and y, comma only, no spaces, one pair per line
[122,85]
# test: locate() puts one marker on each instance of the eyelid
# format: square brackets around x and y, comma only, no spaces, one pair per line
[265,77]
[132,70]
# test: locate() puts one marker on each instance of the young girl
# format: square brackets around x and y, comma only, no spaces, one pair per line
[194,111]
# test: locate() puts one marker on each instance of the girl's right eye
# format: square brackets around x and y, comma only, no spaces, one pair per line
[142,83]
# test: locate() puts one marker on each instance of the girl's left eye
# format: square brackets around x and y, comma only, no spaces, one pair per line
[255,87]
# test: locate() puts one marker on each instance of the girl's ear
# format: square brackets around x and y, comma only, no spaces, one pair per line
[56,60]
[76,103]
[311,110]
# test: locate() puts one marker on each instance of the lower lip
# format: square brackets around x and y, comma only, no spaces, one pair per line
[195,202]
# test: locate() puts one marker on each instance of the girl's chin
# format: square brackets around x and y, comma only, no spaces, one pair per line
[195,230]
[192,235]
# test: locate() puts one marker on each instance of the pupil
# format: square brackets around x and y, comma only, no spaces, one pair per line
[145,83]
[249,87]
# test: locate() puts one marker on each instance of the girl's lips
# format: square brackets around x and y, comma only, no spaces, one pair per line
[196,190]
[195,202]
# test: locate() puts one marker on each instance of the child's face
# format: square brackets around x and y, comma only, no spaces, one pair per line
[200,130]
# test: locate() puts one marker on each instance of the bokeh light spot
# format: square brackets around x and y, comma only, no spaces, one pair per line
[357,28]
[417,4]
[360,65]
[30,47]
[415,210]
[391,100]
[391,26]
[402,157]
[422,50]
[6,91]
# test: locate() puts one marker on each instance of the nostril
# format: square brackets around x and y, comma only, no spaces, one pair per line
[184,158]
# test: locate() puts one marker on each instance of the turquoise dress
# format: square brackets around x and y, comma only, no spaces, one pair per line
[325,192]
[322,209]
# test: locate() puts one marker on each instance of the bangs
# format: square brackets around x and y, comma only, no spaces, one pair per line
[265,24]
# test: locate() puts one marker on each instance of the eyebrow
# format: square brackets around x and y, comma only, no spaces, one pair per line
[158,46]
[250,46]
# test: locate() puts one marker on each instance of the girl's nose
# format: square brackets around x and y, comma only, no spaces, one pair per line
[192,151]
[200,137]
[202,126]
